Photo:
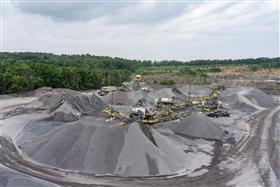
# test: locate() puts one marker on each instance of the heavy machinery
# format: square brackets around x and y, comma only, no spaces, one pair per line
[167,108]
[106,89]
[138,78]
[143,114]
[116,115]
[140,113]
[163,101]
[219,113]
[109,113]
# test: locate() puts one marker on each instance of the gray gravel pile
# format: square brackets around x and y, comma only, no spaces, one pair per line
[65,113]
[122,108]
[72,107]
[164,92]
[134,85]
[144,103]
[49,101]
[44,90]
[89,146]
[66,91]
[87,104]
[259,97]
[125,98]
[195,90]
[246,99]
[13,178]
[149,153]
[199,126]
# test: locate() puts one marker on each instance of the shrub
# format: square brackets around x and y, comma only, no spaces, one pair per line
[188,71]
[167,82]
[214,69]
[254,68]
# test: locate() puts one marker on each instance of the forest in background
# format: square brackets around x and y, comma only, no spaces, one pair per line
[25,71]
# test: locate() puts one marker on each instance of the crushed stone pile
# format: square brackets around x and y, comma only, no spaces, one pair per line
[258,97]
[71,107]
[65,113]
[246,99]
[44,90]
[121,108]
[164,92]
[195,90]
[13,178]
[125,98]
[144,103]
[199,126]
[49,101]
[134,85]
[132,150]
[87,104]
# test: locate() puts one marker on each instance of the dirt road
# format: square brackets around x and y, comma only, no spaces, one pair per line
[254,160]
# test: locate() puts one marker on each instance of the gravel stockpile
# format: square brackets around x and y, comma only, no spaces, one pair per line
[13,178]
[195,90]
[72,107]
[131,150]
[73,137]
[199,126]
[146,152]
[246,99]
[258,97]
[164,92]
[125,98]
[49,101]
[87,104]
[65,113]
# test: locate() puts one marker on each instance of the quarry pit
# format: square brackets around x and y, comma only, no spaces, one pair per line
[63,137]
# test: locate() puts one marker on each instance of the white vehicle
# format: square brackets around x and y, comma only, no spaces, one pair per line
[146,89]
[195,102]
[164,101]
[138,110]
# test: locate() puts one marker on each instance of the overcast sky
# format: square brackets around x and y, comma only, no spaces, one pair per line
[152,30]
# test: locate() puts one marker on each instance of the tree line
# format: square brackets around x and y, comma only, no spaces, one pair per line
[25,71]
[21,72]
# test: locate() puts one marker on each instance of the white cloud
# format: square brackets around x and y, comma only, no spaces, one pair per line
[151,30]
